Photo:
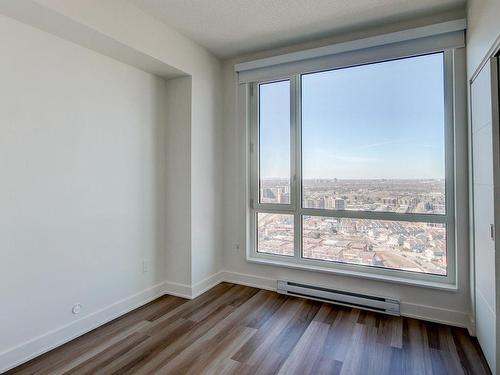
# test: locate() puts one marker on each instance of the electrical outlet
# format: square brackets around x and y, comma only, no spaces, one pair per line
[76,308]
[145,266]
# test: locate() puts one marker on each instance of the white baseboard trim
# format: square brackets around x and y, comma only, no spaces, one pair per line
[435,314]
[422,312]
[33,348]
[249,280]
[207,284]
[30,349]
[190,292]
[177,289]
[472,325]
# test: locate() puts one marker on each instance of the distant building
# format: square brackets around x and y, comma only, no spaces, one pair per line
[329,203]
[278,194]
[340,204]
[284,198]
[320,203]
[390,201]
[268,193]
[310,203]
[359,246]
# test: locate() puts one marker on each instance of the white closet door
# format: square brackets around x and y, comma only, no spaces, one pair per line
[484,153]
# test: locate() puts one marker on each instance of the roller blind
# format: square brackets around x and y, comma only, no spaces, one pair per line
[426,39]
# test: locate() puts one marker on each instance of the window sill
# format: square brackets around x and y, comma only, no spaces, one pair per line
[357,274]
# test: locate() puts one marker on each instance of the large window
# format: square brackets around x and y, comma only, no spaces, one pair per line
[353,167]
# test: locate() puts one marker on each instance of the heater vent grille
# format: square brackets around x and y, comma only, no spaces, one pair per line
[340,297]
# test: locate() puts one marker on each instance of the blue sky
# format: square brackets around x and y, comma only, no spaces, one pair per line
[383,120]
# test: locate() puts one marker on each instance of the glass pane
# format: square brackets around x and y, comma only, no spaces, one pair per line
[274,142]
[401,245]
[275,234]
[373,137]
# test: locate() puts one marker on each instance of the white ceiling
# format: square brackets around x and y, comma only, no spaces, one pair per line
[232,27]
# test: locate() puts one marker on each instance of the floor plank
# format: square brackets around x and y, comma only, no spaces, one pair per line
[234,329]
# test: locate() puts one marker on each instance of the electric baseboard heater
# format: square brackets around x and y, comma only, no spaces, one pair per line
[339,297]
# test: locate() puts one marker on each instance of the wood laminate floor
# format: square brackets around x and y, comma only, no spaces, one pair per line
[233,329]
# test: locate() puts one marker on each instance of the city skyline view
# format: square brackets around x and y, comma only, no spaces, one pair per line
[409,246]
[372,139]
[384,195]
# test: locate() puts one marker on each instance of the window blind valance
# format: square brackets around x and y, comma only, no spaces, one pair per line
[411,42]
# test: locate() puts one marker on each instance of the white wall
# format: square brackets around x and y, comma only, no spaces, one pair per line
[483,31]
[143,33]
[439,305]
[82,160]
[483,28]
[102,165]
[178,187]
[206,175]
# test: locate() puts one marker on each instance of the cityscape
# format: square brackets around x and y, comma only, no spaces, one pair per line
[401,196]
[410,246]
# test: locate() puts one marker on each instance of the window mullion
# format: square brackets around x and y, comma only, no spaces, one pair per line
[375,215]
[254,145]
[297,164]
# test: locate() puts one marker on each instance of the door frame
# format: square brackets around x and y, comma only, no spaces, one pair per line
[493,59]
